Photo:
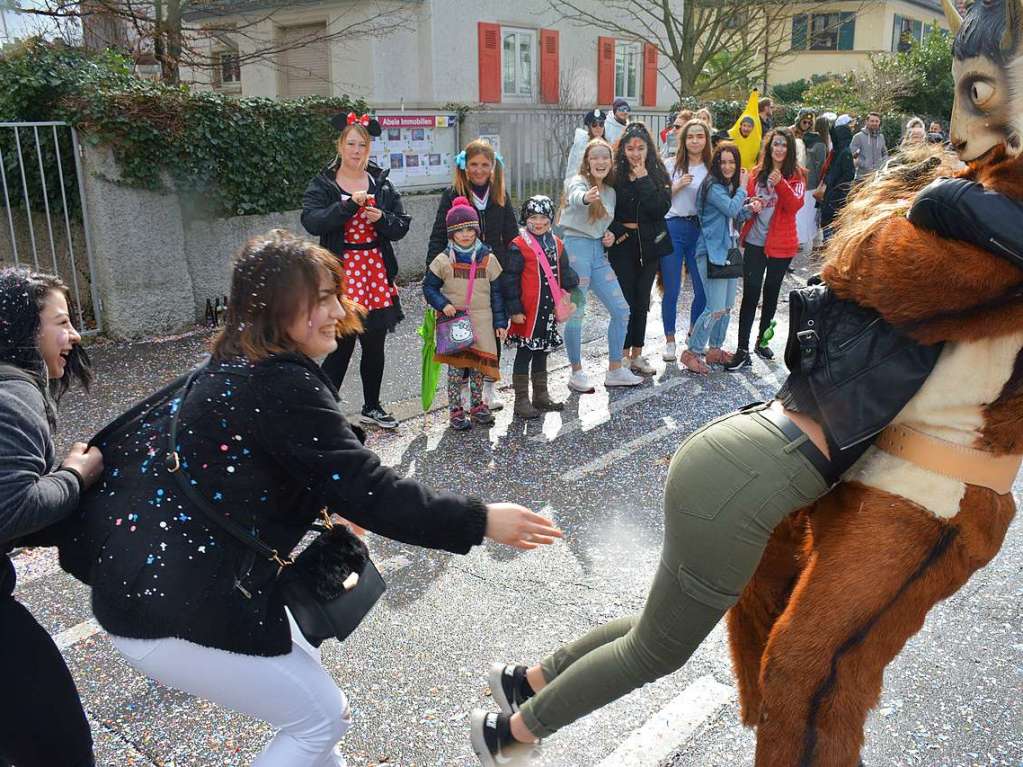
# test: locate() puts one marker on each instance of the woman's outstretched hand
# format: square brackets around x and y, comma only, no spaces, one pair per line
[517,526]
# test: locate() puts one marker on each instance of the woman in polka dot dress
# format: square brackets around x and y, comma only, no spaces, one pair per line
[357,214]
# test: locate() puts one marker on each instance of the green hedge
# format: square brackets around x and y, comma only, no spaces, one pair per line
[225,156]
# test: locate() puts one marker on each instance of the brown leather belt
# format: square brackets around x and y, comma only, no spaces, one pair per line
[966,464]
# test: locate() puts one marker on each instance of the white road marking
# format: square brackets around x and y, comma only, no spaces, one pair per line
[393,564]
[668,729]
[747,384]
[592,420]
[623,451]
[76,634]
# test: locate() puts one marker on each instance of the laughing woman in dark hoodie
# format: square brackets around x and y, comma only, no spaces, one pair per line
[42,723]
[357,214]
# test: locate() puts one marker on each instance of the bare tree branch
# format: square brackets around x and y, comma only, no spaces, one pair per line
[694,35]
[187,33]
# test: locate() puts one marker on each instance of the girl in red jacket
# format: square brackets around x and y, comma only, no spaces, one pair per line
[770,239]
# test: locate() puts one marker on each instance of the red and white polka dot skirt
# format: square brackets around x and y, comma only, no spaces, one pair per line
[366,275]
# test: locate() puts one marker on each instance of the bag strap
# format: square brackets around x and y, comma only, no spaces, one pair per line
[541,256]
[174,467]
[472,277]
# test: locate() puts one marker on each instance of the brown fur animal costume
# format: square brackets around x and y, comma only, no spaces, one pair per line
[846,582]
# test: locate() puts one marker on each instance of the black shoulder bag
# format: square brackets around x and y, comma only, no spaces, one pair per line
[329,588]
[732,267]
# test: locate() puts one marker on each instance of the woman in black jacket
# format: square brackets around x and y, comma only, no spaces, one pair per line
[479,177]
[357,213]
[42,723]
[263,439]
[641,235]
[839,178]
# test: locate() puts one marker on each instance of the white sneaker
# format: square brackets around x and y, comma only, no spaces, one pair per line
[669,353]
[622,377]
[641,366]
[580,382]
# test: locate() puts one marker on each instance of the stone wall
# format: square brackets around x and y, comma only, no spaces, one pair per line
[155,268]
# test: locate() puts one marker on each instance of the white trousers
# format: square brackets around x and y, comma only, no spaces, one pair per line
[293,692]
[806,220]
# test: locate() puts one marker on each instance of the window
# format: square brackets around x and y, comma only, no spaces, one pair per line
[228,68]
[628,61]
[518,63]
[905,32]
[823,31]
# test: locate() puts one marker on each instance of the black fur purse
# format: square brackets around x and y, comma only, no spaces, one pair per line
[329,588]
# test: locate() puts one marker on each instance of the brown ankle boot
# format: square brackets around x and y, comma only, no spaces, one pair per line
[523,407]
[541,397]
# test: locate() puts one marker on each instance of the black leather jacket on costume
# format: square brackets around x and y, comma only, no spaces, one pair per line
[849,368]
[964,210]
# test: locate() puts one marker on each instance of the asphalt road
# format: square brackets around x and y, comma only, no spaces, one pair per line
[416,667]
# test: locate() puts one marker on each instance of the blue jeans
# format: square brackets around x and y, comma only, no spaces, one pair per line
[587,257]
[713,321]
[684,236]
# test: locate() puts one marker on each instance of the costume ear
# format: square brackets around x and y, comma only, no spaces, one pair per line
[374,128]
[339,121]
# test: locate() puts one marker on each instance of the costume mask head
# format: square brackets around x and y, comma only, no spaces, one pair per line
[988,70]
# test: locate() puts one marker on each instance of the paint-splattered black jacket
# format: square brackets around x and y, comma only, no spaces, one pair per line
[267,444]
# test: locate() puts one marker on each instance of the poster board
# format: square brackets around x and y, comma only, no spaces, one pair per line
[419,149]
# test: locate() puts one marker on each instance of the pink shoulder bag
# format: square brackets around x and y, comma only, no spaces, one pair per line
[563,306]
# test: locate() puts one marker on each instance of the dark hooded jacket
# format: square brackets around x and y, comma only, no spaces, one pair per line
[816,155]
[840,176]
[325,214]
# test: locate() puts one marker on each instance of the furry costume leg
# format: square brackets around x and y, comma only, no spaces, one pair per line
[764,599]
[858,601]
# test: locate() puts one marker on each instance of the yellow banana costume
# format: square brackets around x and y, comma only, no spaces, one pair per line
[749,146]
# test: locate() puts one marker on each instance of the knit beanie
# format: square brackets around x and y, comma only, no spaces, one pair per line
[462,216]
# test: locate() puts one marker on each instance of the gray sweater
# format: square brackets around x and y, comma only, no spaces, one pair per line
[32,495]
[575,218]
[870,152]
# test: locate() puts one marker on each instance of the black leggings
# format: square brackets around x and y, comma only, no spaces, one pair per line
[42,723]
[525,357]
[371,367]
[754,263]
[636,281]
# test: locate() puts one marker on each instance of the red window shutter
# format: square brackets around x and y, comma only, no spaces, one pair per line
[550,77]
[490,62]
[649,75]
[605,70]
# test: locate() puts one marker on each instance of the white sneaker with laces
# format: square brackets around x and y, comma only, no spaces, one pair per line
[580,382]
[642,366]
[669,353]
[622,377]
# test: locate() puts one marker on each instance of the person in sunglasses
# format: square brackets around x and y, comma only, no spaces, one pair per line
[593,127]
[615,127]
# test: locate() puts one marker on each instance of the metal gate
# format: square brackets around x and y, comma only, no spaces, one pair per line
[44,211]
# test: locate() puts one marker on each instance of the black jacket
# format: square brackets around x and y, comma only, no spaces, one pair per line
[266,443]
[964,210]
[849,368]
[840,176]
[325,215]
[498,226]
[646,203]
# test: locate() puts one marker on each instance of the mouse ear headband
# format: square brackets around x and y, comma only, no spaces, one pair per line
[344,119]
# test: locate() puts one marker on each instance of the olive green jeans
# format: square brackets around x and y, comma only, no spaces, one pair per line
[729,485]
